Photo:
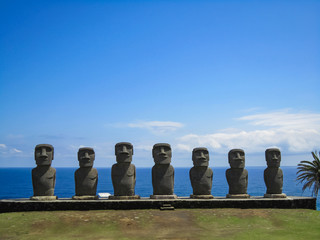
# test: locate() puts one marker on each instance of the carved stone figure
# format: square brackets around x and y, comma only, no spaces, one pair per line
[162,172]
[237,175]
[43,176]
[273,176]
[123,173]
[200,174]
[86,177]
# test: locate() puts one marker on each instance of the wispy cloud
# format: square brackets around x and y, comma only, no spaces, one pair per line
[285,120]
[3,145]
[16,150]
[295,132]
[157,126]
[5,150]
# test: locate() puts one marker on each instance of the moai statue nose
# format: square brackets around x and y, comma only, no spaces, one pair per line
[43,152]
[86,155]
[162,152]
[274,157]
[124,149]
[202,155]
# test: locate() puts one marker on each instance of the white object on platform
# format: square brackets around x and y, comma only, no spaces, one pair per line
[104,194]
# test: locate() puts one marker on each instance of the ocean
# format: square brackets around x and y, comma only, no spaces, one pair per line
[17,183]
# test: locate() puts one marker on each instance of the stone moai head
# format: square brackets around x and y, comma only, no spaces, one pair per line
[123,152]
[43,154]
[236,158]
[273,157]
[161,153]
[86,157]
[200,157]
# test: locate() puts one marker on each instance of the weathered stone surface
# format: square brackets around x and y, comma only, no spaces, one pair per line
[85,197]
[86,177]
[162,171]
[124,197]
[171,196]
[201,175]
[201,196]
[238,196]
[43,198]
[273,175]
[22,205]
[281,195]
[237,176]
[123,173]
[43,176]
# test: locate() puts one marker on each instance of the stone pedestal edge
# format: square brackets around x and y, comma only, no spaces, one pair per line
[281,195]
[238,196]
[163,196]
[85,197]
[201,196]
[43,198]
[112,197]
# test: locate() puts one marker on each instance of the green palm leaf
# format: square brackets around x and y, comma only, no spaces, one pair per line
[309,174]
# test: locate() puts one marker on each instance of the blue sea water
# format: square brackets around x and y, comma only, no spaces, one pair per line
[17,183]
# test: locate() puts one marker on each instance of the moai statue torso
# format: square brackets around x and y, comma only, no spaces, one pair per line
[123,173]
[237,175]
[273,176]
[162,171]
[43,176]
[200,174]
[86,177]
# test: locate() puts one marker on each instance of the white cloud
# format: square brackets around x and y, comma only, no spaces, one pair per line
[157,126]
[296,132]
[285,120]
[16,150]
[3,145]
[143,147]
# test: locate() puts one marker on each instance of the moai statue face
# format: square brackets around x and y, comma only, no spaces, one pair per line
[273,157]
[43,154]
[200,157]
[123,152]
[236,158]
[162,153]
[86,157]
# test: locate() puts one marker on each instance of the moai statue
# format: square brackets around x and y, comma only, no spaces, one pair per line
[273,176]
[123,173]
[43,176]
[200,174]
[86,177]
[162,172]
[237,175]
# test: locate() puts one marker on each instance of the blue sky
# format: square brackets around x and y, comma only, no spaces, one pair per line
[215,74]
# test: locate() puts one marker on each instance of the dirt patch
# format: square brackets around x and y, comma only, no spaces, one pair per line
[244,213]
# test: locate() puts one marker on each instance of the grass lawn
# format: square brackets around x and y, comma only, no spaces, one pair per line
[155,224]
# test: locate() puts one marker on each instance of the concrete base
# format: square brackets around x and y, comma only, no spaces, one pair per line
[201,196]
[281,195]
[86,197]
[112,197]
[163,196]
[22,205]
[43,198]
[238,196]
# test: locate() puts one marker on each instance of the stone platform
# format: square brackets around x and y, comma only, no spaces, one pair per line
[21,205]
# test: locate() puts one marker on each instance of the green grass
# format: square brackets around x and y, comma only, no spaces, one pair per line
[155,224]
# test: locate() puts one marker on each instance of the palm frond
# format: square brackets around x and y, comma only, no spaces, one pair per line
[309,174]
